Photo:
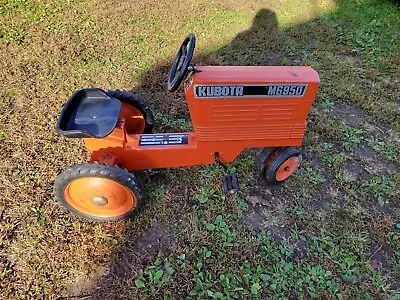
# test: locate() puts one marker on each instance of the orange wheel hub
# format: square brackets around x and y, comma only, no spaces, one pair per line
[134,120]
[100,197]
[287,168]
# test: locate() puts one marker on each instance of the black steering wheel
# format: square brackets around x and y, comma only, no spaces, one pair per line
[181,62]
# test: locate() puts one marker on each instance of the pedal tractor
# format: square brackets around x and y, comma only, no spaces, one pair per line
[231,108]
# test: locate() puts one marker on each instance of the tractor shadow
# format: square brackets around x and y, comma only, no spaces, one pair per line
[262,44]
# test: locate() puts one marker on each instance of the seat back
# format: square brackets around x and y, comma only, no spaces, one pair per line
[89,113]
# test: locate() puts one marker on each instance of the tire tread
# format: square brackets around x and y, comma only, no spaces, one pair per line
[122,176]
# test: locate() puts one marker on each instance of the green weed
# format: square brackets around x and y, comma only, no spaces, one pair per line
[222,227]
[85,26]
[7,97]
[156,276]
[156,194]
[385,148]
[351,136]
[335,160]
[209,173]
[311,175]
[38,213]
[328,104]
[205,195]
[381,189]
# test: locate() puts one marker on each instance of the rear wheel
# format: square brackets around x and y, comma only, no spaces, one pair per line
[99,192]
[136,112]
[281,164]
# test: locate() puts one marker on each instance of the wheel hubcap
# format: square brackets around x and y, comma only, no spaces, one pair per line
[287,168]
[99,201]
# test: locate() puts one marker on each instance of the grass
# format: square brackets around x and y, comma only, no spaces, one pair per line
[328,232]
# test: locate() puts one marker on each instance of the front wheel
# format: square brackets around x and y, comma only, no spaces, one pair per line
[281,163]
[99,192]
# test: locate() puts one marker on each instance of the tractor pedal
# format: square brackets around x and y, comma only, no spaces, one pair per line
[231,183]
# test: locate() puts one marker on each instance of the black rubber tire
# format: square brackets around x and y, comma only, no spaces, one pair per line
[278,160]
[139,103]
[262,158]
[121,176]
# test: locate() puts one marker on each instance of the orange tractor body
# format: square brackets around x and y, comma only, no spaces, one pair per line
[231,108]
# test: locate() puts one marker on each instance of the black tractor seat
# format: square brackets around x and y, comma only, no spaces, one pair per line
[89,113]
